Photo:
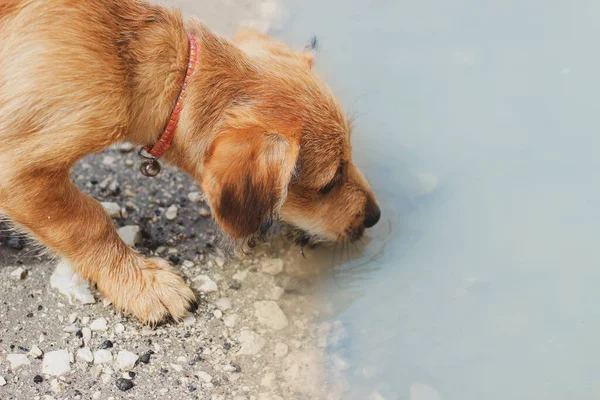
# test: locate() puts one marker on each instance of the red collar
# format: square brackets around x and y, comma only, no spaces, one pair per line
[150,166]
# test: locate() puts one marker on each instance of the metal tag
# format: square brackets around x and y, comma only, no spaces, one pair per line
[150,165]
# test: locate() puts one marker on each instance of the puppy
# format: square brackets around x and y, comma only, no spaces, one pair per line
[264,137]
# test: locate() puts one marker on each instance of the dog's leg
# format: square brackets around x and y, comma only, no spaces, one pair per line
[77,227]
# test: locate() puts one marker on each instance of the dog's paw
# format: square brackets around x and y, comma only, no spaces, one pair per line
[153,293]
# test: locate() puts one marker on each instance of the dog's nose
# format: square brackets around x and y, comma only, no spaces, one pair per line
[372,216]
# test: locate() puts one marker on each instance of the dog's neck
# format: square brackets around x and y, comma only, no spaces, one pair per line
[158,57]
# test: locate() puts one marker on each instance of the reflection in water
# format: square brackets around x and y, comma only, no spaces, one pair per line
[480,283]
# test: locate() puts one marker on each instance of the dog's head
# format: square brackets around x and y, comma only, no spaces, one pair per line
[281,147]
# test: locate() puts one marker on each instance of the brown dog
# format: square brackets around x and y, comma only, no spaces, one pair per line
[262,134]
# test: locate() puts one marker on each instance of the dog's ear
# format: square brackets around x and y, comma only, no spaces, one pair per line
[245,177]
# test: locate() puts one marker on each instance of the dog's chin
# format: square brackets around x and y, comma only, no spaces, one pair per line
[303,238]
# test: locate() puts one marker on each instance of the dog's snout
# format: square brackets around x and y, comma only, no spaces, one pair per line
[372,215]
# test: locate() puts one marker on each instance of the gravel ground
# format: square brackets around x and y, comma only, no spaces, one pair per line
[254,335]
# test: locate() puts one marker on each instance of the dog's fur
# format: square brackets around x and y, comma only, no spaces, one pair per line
[262,134]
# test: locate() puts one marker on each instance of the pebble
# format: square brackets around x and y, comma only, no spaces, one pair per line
[56,363]
[220,261]
[230,320]
[129,162]
[17,361]
[124,384]
[104,184]
[72,318]
[107,344]
[108,160]
[35,352]
[224,304]
[99,324]
[119,328]
[281,350]
[87,334]
[85,320]
[218,314]
[38,379]
[85,354]
[97,395]
[56,386]
[276,292]
[131,235]
[126,147]
[126,360]
[270,314]
[189,320]
[95,371]
[19,274]
[102,356]
[3,381]
[113,209]
[204,376]
[195,197]
[188,264]
[114,188]
[240,276]
[272,267]
[171,213]
[204,212]
[251,342]
[71,328]
[207,285]
[145,358]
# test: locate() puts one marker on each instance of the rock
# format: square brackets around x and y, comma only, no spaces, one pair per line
[99,324]
[220,261]
[251,343]
[56,386]
[102,356]
[95,371]
[124,384]
[240,276]
[71,328]
[129,163]
[281,350]
[195,197]
[189,320]
[97,395]
[114,188]
[205,377]
[69,283]
[419,391]
[87,334]
[204,212]
[224,304]
[85,320]
[268,380]
[19,274]
[38,379]
[230,320]
[17,361]
[272,267]
[171,213]
[104,184]
[85,354]
[56,363]
[218,314]
[188,264]
[3,381]
[108,160]
[270,314]
[131,234]
[113,209]
[72,318]
[35,351]
[119,328]
[126,360]
[145,358]
[126,147]
[206,284]
[276,293]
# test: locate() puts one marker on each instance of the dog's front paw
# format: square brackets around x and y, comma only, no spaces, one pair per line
[154,292]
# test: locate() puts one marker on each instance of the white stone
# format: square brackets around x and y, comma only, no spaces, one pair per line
[69,283]
[85,354]
[419,391]
[195,197]
[56,363]
[97,394]
[272,267]
[230,320]
[19,274]
[206,284]
[204,212]
[113,209]
[17,361]
[251,343]
[35,351]
[218,314]
[126,360]
[188,264]
[72,318]
[204,376]
[281,350]
[270,314]
[87,334]
[119,328]
[224,304]
[240,276]
[108,160]
[71,328]
[131,235]
[126,147]
[220,261]
[85,320]
[99,324]
[171,213]
[102,356]
[2,381]
[276,293]
[189,320]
